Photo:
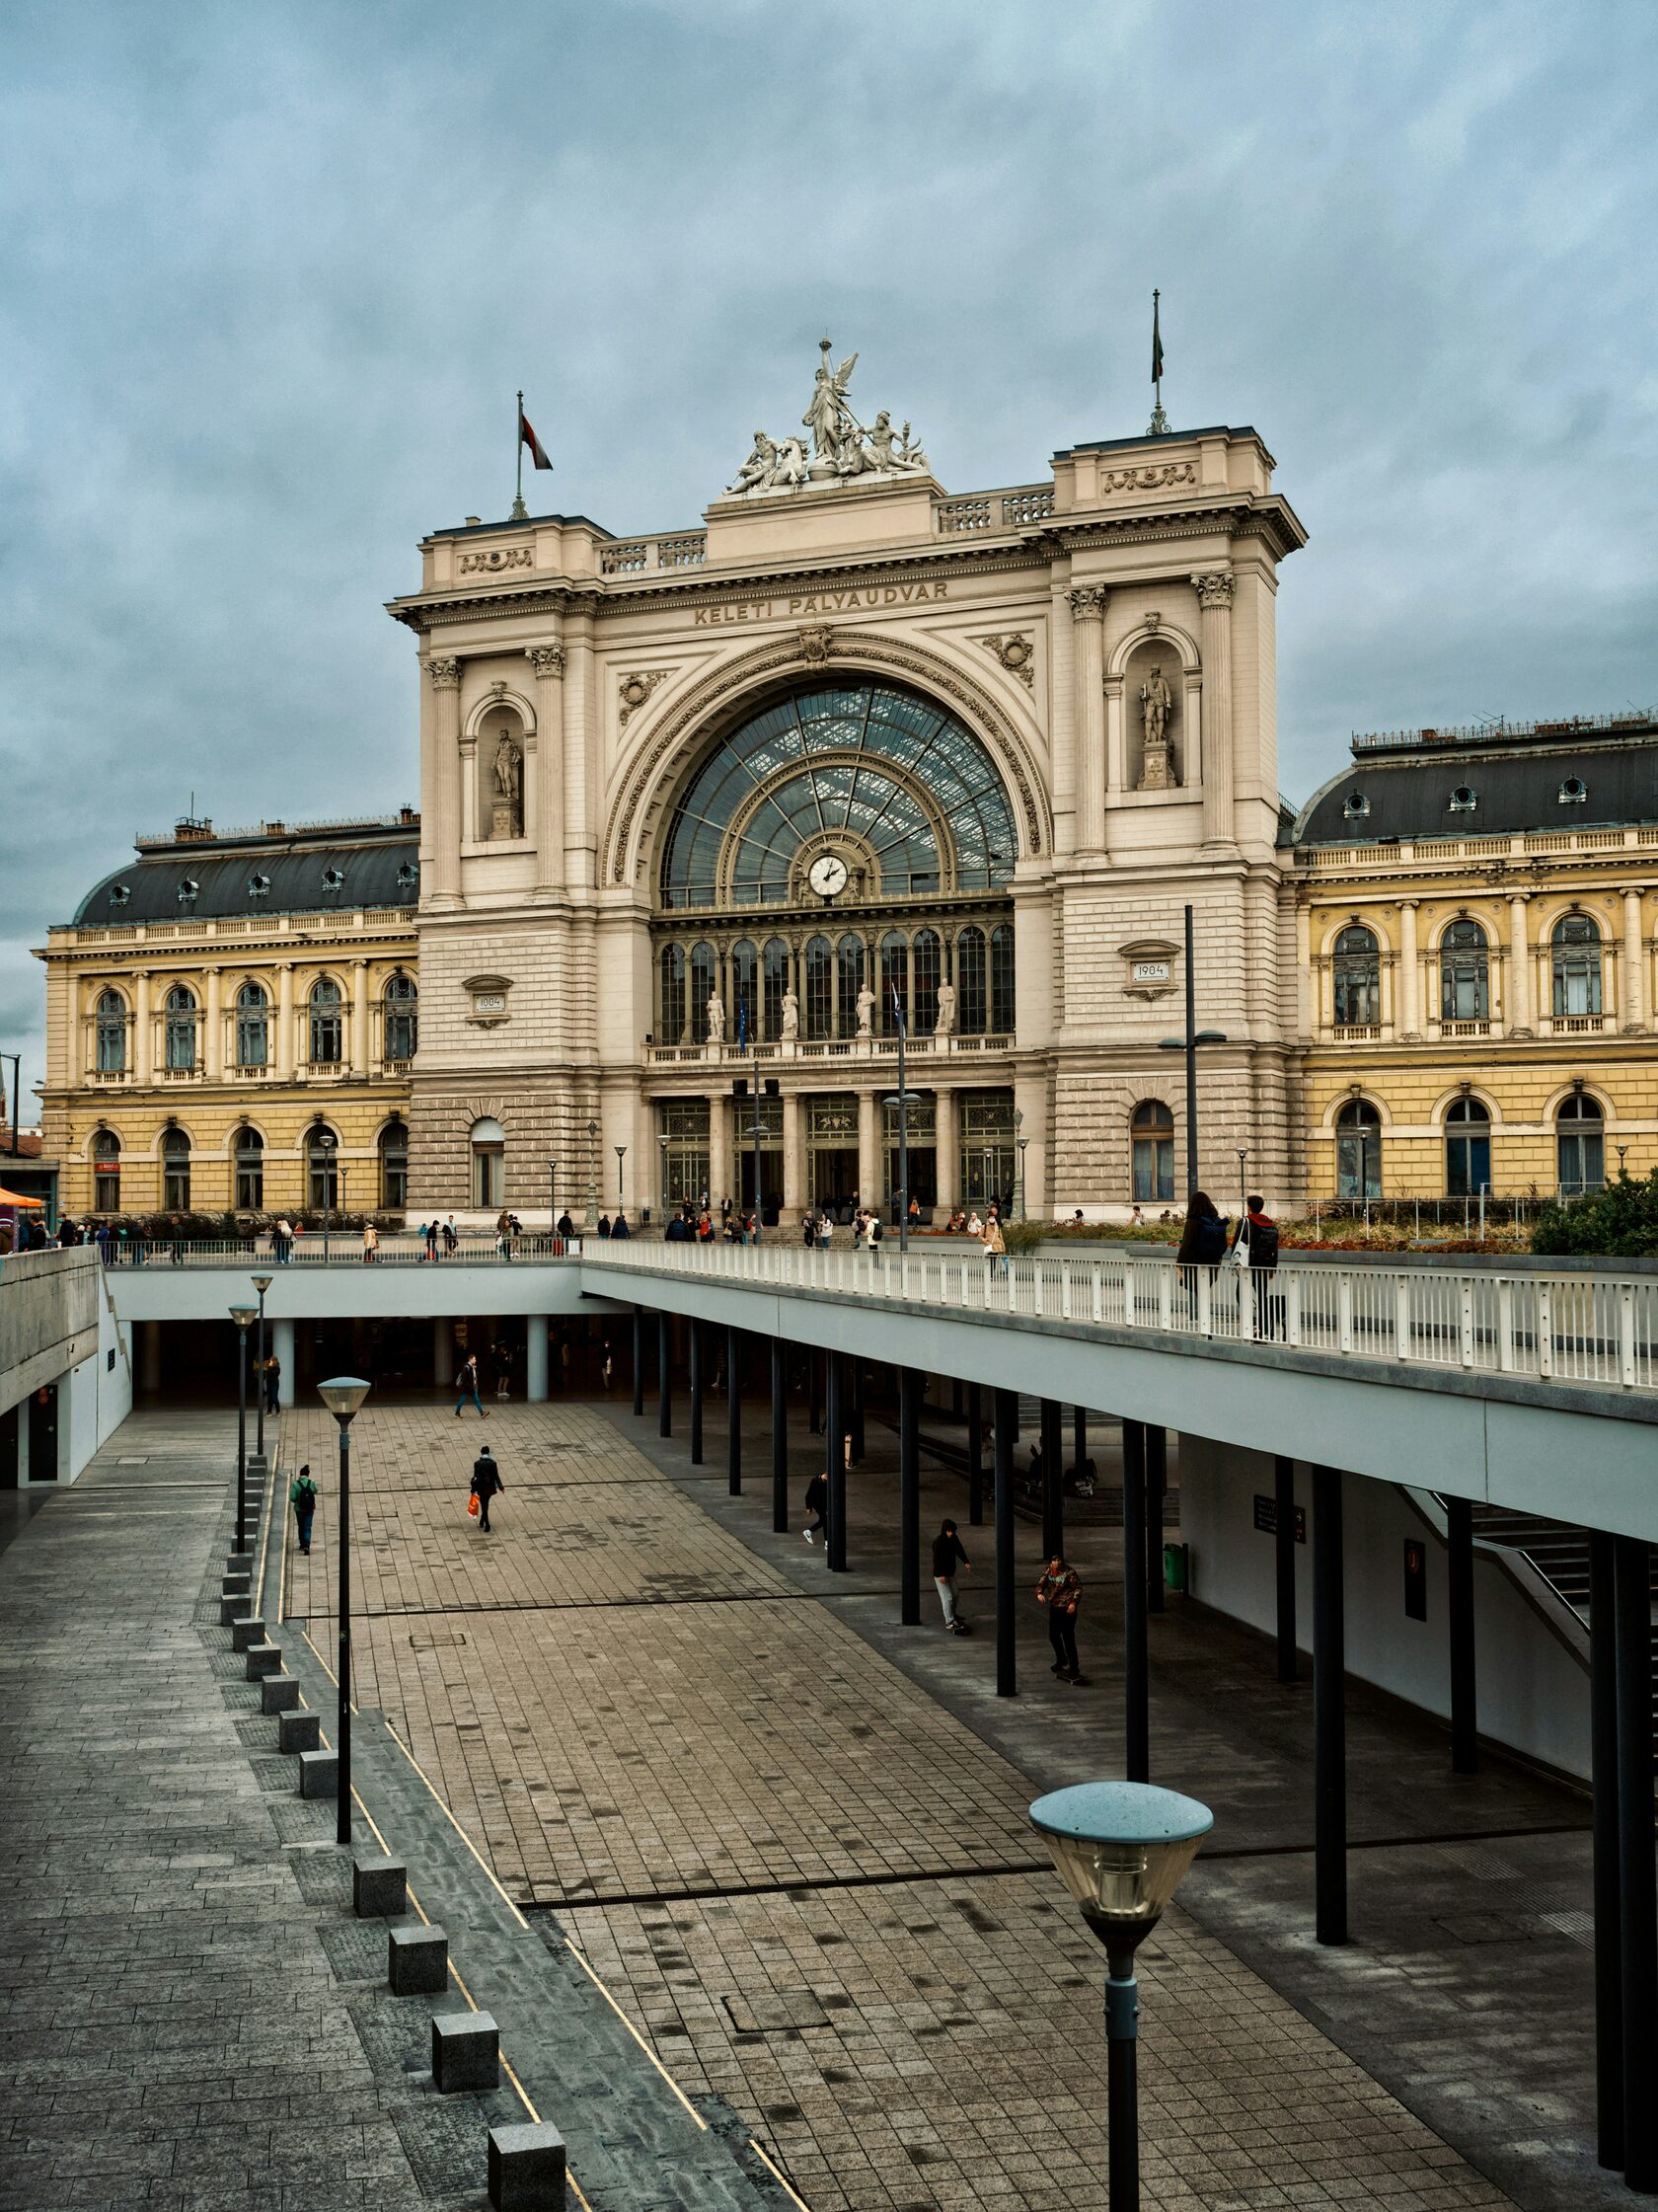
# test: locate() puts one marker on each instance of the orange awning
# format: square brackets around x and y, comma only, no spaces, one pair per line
[16,1198]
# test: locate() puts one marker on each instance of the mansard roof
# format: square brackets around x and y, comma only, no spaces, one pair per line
[319,867]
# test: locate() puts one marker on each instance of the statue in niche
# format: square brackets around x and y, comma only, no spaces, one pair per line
[507,777]
[790,1018]
[945,1026]
[1156,702]
[866,1010]
[715,1019]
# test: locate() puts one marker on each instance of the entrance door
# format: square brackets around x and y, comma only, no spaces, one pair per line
[43,1435]
[771,1183]
[834,1179]
[10,1421]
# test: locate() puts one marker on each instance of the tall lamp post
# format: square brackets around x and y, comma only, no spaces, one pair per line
[592,1169]
[342,1395]
[1121,1849]
[262,1283]
[243,1317]
[552,1203]
[1020,1199]
[620,1195]
[327,1143]
[1188,1045]
[662,1175]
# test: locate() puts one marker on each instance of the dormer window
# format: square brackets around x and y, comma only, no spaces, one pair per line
[1463,801]
[1574,792]
[258,886]
[1355,806]
[408,876]
[119,893]
[189,891]
[333,879]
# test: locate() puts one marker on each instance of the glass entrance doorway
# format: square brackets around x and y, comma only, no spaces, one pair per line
[832,1153]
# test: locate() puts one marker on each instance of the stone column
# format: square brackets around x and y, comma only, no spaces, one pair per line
[213,1044]
[793,1156]
[149,1359]
[360,1054]
[578,688]
[1062,695]
[283,1345]
[868,1149]
[722,1183]
[1087,617]
[1307,982]
[946,1149]
[548,661]
[1519,1021]
[1633,1007]
[445,677]
[284,1022]
[143,1037]
[1410,998]
[443,1351]
[534,1359]
[1116,750]
[1214,588]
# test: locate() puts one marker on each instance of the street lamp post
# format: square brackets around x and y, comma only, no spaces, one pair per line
[987,1174]
[243,1317]
[551,1201]
[326,1142]
[1020,1201]
[262,1283]
[1188,1045]
[1121,1849]
[621,1195]
[342,1395]
[662,1175]
[592,1169]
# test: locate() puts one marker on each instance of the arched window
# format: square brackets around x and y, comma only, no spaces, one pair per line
[1465,973]
[109,1023]
[321,1169]
[399,1006]
[848,970]
[970,980]
[925,974]
[1576,945]
[820,988]
[775,964]
[1579,1145]
[250,1170]
[1358,1151]
[704,982]
[178,1029]
[894,982]
[175,1170]
[489,1164]
[328,1023]
[1151,1138]
[670,973]
[394,1166]
[744,970]
[252,1027]
[106,1171]
[1467,1149]
[1002,979]
[1357,968]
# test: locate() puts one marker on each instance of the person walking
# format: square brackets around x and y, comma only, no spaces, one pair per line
[994,1247]
[1257,1232]
[371,1244]
[273,1384]
[1060,1590]
[302,1497]
[486,1482]
[817,1500]
[432,1240]
[467,1384]
[619,1227]
[949,1555]
[1203,1239]
[451,1239]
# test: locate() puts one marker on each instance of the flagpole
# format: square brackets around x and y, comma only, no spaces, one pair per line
[1160,421]
[520,512]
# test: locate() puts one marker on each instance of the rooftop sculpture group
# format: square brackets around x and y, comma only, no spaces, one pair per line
[842,449]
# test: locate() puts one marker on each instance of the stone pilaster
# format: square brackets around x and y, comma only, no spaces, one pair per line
[1410,1017]
[445,678]
[1519,1009]
[1088,617]
[1634,1010]
[548,661]
[1215,588]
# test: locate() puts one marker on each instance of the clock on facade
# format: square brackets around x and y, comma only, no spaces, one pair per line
[827,875]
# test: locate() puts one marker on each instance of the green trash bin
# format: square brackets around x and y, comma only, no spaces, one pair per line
[1174,1566]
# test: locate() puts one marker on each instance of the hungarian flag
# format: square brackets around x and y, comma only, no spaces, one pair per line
[527,436]
[1156,349]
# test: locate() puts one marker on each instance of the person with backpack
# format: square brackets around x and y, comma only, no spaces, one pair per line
[1257,1234]
[486,1482]
[302,1497]
[817,1501]
[948,1554]
[1060,1592]
[467,1384]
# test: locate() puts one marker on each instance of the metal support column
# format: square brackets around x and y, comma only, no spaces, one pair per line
[1637,1873]
[1330,1710]
[1157,1490]
[638,1360]
[1608,1917]
[1078,1440]
[1284,1559]
[910,1385]
[1458,1608]
[855,1409]
[1053,1479]
[835,1449]
[694,1335]
[1006,1422]
[733,1412]
[664,1378]
[780,1439]
[975,1456]
[1137,1722]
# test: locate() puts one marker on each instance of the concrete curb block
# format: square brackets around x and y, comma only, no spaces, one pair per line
[246,1632]
[297,1731]
[264,1659]
[417,1960]
[278,1693]
[319,1774]
[527,2168]
[379,1888]
[466,2051]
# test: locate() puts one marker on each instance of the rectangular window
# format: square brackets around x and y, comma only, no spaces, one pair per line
[1154,1168]
[105,1190]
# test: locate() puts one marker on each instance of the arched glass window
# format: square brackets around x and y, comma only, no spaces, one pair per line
[399,1006]
[489,1163]
[926,973]
[970,980]
[106,1171]
[394,1167]
[704,982]
[894,982]
[1465,973]
[670,986]
[820,988]
[1576,943]
[1152,1141]
[250,1170]
[775,963]
[1579,1145]
[321,1170]
[880,768]
[1358,1151]
[1002,979]
[849,976]
[328,1023]
[252,1027]
[179,1019]
[175,1170]
[1357,968]
[744,970]
[110,1024]
[1467,1149]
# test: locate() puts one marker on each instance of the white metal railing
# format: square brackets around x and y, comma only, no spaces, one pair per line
[340,1248]
[1568,1328]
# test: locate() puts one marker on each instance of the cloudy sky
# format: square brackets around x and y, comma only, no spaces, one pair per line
[270,275]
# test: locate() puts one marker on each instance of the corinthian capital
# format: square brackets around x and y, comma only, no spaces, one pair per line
[1087,601]
[546,660]
[445,674]
[1214,588]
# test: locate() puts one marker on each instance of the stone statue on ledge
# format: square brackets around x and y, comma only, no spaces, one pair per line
[865,1010]
[944,1025]
[790,1018]
[841,447]
[715,1019]
[1156,702]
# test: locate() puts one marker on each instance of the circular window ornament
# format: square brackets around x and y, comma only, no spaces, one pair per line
[1574,792]
[1463,801]
[119,893]
[333,879]
[1355,806]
